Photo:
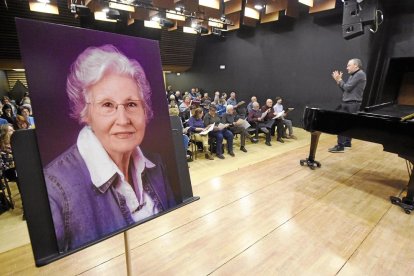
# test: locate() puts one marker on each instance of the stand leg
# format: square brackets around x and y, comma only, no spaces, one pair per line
[128,254]
[407,202]
[310,161]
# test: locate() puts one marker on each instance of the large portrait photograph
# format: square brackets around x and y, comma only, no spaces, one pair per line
[102,128]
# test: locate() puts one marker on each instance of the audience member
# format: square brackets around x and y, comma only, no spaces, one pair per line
[178,97]
[232,100]
[231,118]
[21,122]
[185,108]
[6,100]
[278,109]
[219,133]
[25,111]
[256,119]
[193,93]
[6,154]
[196,125]
[173,108]
[270,120]
[221,107]
[25,99]
[250,105]
[8,114]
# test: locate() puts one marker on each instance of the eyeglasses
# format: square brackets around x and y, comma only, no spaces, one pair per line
[108,107]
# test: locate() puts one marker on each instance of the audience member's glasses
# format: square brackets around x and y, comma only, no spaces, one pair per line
[108,107]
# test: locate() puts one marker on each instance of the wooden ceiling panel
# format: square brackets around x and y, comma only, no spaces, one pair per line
[189,5]
[251,22]
[235,18]
[232,6]
[164,4]
[140,14]
[292,9]
[269,17]
[209,12]
[213,4]
[276,6]
[322,5]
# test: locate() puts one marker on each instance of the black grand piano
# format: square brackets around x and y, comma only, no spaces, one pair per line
[389,124]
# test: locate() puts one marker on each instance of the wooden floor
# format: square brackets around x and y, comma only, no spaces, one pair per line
[260,213]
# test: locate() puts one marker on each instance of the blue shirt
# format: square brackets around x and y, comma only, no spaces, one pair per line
[3,121]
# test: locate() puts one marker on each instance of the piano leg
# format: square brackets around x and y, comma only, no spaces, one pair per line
[407,202]
[310,161]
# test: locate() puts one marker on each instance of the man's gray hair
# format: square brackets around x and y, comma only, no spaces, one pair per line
[357,62]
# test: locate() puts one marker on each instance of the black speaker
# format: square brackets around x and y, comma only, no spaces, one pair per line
[356,15]
[351,13]
[352,30]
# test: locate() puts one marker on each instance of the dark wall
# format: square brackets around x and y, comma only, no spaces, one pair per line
[4,85]
[293,59]
[393,45]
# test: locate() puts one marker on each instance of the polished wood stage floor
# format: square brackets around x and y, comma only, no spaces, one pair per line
[260,213]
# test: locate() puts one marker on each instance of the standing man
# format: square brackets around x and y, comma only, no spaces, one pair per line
[353,90]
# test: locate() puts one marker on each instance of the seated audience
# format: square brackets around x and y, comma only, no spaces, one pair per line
[256,119]
[278,108]
[196,125]
[221,107]
[185,108]
[21,122]
[173,107]
[219,133]
[250,105]
[193,93]
[25,111]
[224,96]
[269,118]
[205,98]
[9,169]
[8,114]
[232,100]
[231,118]
[6,100]
[178,97]
[26,99]
[216,98]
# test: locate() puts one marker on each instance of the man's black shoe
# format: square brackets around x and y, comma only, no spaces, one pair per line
[243,149]
[254,140]
[268,144]
[347,145]
[231,153]
[337,148]
[280,140]
[220,156]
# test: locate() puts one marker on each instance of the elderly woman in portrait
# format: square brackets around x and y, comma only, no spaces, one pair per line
[105,182]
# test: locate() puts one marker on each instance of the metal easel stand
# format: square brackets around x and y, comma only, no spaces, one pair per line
[128,254]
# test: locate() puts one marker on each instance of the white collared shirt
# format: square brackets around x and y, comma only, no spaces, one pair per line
[102,169]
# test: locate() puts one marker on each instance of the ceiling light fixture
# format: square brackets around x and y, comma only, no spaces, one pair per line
[258,7]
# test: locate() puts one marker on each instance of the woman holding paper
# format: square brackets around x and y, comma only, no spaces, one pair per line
[199,131]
